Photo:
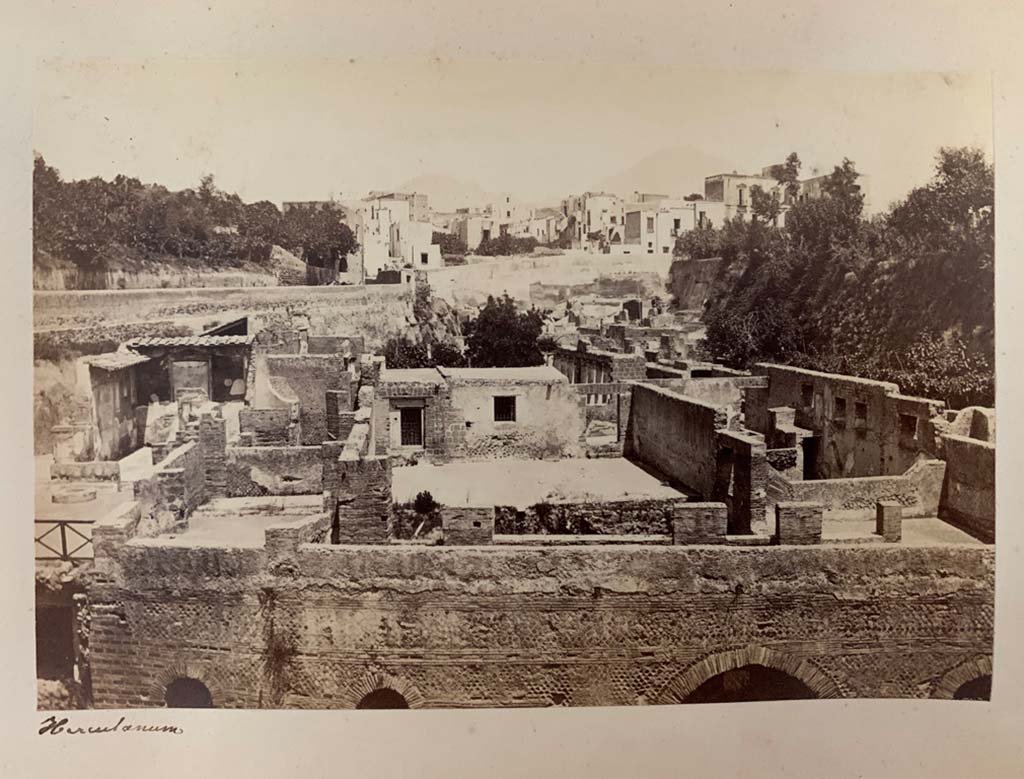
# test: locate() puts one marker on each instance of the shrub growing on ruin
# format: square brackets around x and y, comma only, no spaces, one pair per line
[425,503]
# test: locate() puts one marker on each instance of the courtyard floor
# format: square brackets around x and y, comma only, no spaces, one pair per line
[523,483]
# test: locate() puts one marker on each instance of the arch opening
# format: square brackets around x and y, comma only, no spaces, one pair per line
[383,698]
[976,689]
[188,693]
[751,682]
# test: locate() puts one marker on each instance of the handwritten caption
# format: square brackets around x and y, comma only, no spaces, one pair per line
[54,726]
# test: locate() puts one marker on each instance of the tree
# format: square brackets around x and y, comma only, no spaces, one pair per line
[319,235]
[505,245]
[905,297]
[764,206]
[501,336]
[694,196]
[400,352]
[788,176]
[450,243]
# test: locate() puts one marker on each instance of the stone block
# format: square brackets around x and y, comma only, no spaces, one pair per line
[798,523]
[699,523]
[889,520]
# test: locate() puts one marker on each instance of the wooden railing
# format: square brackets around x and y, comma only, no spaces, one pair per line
[61,539]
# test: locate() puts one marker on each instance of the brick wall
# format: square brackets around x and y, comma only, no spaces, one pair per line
[533,626]
[361,490]
[213,441]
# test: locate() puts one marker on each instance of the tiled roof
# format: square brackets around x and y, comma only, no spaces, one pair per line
[115,361]
[192,340]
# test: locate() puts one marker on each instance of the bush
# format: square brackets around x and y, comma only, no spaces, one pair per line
[425,503]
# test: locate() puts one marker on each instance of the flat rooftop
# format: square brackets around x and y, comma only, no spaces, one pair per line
[523,483]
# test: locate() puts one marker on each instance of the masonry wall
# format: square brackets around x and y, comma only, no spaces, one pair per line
[310,376]
[864,426]
[969,489]
[532,626]
[675,435]
[443,425]
[588,366]
[273,470]
[918,492]
[266,426]
[549,421]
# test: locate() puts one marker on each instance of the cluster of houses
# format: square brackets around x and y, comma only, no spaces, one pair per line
[395,230]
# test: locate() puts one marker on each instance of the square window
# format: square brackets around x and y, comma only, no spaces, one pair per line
[505,408]
[908,425]
[860,411]
[840,408]
[806,394]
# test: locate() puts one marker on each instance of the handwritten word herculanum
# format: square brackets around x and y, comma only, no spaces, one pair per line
[53,726]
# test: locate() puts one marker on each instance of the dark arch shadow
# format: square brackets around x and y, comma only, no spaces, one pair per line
[750,682]
[976,689]
[383,698]
[188,693]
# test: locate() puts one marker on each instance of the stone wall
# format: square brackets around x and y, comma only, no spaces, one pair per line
[310,376]
[917,491]
[969,489]
[618,517]
[864,427]
[549,421]
[360,493]
[532,626]
[173,491]
[273,470]
[742,475]
[675,435]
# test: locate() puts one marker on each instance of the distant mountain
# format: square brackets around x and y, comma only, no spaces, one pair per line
[676,171]
[446,193]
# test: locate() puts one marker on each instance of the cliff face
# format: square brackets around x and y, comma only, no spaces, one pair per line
[693,282]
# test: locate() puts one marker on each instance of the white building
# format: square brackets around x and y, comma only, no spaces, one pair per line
[389,237]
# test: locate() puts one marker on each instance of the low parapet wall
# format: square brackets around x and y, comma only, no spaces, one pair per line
[917,491]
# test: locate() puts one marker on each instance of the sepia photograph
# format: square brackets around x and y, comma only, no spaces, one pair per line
[367,385]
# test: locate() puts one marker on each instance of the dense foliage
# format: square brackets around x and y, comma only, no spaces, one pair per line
[403,353]
[450,243]
[89,221]
[506,244]
[501,336]
[906,297]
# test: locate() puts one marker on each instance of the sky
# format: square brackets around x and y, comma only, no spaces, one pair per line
[307,130]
